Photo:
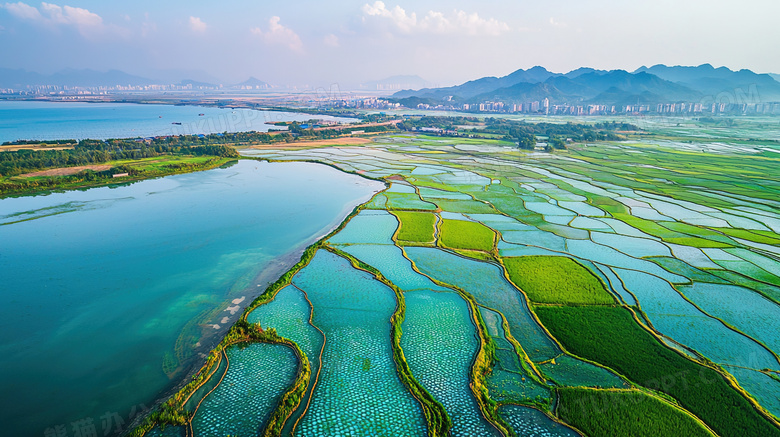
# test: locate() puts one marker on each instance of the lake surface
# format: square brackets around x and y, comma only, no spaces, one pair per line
[77,120]
[109,295]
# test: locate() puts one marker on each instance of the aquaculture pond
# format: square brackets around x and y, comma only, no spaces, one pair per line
[257,376]
[647,257]
[530,422]
[289,315]
[359,391]
[440,343]
[120,288]
[487,284]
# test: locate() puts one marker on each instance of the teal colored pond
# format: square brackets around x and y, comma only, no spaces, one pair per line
[675,317]
[359,391]
[440,342]
[487,284]
[530,422]
[509,381]
[256,379]
[391,262]
[368,227]
[570,371]
[289,314]
[111,293]
[764,388]
[740,307]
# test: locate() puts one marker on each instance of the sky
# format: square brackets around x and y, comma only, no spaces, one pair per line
[311,43]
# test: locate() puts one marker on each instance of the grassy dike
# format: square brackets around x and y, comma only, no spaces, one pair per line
[439,422]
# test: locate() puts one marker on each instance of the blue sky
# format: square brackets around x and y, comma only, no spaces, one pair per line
[306,42]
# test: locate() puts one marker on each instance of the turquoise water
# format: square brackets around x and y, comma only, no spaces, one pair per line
[289,314]
[678,319]
[359,391]
[75,120]
[509,381]
[391,262]
[765,389]
[109,284]
[530,422]
[570,371]
[258,375]
[742,308]
[169,431]
[487,284]
[440,342]
[368,227]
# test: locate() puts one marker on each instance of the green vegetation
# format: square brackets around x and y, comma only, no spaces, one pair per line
[514,130]
[135,169]
[557,280]
[624,413]
[416,227]
[461,234]
[13,163]
[611,336]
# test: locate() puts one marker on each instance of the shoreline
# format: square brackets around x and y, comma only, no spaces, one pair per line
[267,277]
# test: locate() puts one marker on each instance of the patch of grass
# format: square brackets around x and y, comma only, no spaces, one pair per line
[611,336]
[556,279]
[668,235]
[397,201]
[461,234]
[698,231]
[763,238]
[624,413]
[464,206]
[416,227]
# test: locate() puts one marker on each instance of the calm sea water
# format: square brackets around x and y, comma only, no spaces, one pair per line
[109,294]
[73,120]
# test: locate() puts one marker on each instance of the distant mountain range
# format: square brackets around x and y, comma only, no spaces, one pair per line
[656,84]
[19,79]
[10,78]
[252,83]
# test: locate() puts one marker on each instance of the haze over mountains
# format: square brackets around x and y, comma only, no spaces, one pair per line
[656,84]
[86,78]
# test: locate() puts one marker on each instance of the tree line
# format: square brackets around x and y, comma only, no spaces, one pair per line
[85,152]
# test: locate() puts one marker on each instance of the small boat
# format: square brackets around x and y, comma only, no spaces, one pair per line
[177,123]
[201,114]
[161,116]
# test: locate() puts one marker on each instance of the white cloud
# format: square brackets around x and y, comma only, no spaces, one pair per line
[555,23]
[197,25]
[277,34]
[84,21]
[437,22]
[70,16]
[23,11]
[331,40]
[406,23]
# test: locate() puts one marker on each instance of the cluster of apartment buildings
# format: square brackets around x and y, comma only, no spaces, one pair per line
[544,107]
